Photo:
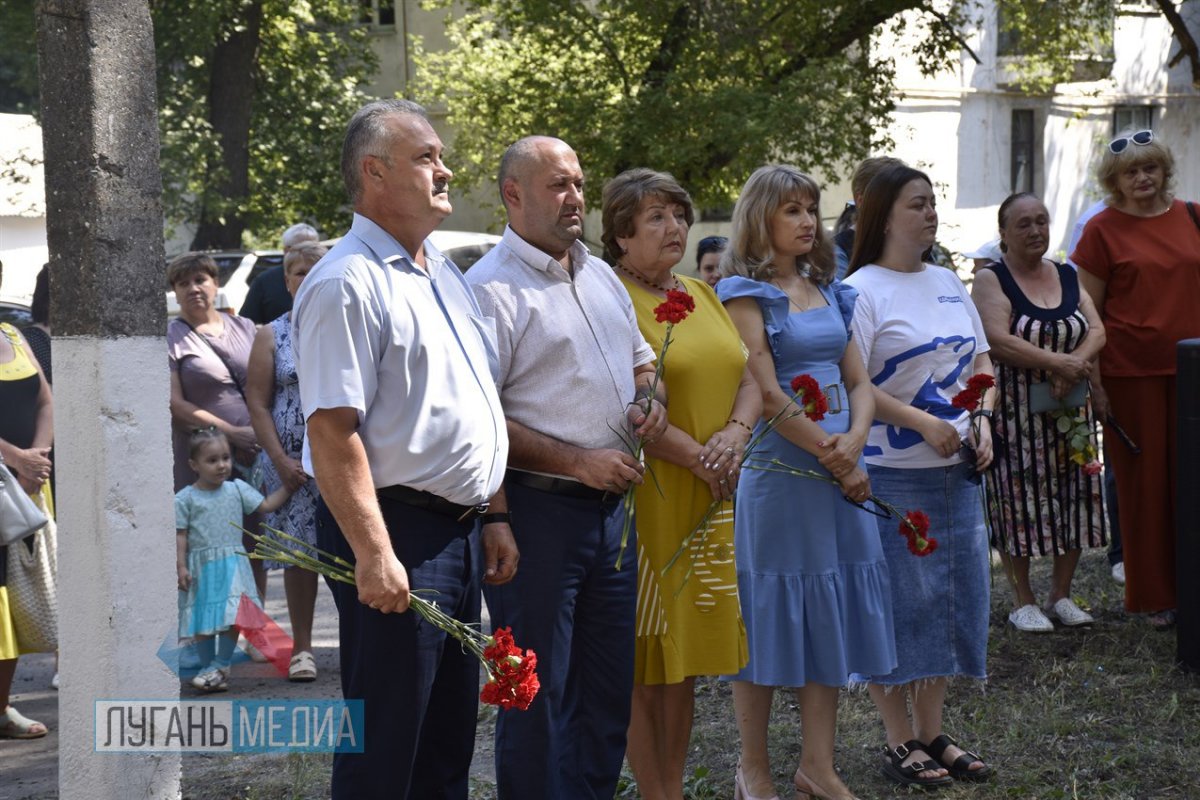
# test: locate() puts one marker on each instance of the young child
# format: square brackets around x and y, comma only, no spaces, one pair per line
[213,575]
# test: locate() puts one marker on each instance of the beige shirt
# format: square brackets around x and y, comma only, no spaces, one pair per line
[567,347]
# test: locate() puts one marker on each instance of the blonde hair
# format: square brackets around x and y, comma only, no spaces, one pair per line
[304,253]
[750,253]
[1113,164]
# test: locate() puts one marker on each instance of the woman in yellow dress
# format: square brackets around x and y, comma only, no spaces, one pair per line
[688,618]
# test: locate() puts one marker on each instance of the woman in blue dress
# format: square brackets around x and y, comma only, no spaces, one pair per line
[813,581]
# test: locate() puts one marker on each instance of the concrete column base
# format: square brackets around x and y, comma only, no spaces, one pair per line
[117,584]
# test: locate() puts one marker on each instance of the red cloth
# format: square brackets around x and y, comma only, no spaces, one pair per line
[1145,408]
[1151,267]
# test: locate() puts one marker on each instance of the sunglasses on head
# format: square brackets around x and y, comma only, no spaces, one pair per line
[1117,146]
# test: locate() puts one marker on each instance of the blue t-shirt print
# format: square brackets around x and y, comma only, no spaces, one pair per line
[957,352]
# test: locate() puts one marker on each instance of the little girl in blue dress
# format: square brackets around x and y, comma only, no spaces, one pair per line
[213,572]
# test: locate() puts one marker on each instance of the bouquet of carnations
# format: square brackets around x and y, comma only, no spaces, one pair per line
[512,676]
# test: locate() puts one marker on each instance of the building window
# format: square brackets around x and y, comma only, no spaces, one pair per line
[1137,118]
[378,13]
[1023,150]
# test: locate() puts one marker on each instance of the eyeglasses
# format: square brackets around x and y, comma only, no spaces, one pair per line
[1117,146]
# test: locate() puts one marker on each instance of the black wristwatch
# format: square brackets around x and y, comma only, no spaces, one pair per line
[499,516]
[983,412]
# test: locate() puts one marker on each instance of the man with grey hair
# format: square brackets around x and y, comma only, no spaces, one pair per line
[406,439]
[268,298]
[575,376]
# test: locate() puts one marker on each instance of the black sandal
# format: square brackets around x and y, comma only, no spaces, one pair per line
[903,774]
[961,768]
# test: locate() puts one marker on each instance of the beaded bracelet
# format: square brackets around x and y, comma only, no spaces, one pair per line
[739,422]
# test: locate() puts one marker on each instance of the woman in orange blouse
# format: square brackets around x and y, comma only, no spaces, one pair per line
[1139,259]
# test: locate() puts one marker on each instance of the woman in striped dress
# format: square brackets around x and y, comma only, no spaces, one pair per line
[1044,490]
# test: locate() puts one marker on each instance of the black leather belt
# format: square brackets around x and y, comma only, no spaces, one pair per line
[563,486]
[431,502]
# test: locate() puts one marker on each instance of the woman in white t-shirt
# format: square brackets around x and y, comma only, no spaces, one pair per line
[922,339]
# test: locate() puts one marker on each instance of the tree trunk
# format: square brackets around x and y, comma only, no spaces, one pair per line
[230,105]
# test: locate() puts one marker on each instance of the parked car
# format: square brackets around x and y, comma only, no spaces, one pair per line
[236,270]
[14,313]
[464,248]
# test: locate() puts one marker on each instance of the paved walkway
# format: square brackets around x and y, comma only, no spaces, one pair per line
[29,769]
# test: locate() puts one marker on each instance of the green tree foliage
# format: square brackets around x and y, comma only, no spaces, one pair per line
[18,57]
[282,109]
[253,100]
[706,89]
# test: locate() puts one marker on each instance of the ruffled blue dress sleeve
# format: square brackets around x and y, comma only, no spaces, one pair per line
[772,301]
[845,296]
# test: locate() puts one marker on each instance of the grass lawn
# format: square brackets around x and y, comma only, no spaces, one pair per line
[1088,713]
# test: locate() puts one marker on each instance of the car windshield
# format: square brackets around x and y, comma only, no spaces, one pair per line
[226,264]
[15,315]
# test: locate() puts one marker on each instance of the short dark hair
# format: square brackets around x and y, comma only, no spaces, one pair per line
[873,212]
[367,135]
[711,244]
[39,307]
[186,265]
[623,196]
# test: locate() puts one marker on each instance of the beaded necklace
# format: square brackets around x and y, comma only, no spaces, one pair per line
[645,282]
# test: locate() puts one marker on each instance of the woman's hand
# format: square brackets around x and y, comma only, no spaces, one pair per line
[856,485]
[722,483]
[291,472]
[725,448]
[842,451]
[981,443]
[32,467]
[241,437]
[940,435]
[1070,369]
[184,577]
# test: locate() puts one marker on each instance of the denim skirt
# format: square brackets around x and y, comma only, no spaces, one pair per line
[940,601]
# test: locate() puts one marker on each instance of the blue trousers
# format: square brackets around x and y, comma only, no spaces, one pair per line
[419,691]
[576,611]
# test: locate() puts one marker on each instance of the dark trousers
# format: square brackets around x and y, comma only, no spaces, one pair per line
[419,691]
[569,605]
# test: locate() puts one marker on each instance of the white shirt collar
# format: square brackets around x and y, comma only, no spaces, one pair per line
[539,259]
[388,250]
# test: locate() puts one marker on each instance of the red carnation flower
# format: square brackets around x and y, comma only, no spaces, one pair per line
[512,677]
[915,529]
[809,397]
[675,308]
[970,397]
[1093,468]
[916,547]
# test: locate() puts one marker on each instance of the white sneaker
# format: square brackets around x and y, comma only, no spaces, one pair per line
[1030,619]
[212,679]
[54,682]
[1068,613]
[1118,572]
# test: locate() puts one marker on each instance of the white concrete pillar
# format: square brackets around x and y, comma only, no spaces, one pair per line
[117,597]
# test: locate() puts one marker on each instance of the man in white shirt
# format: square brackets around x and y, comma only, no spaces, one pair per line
[575,378]
[407,442]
